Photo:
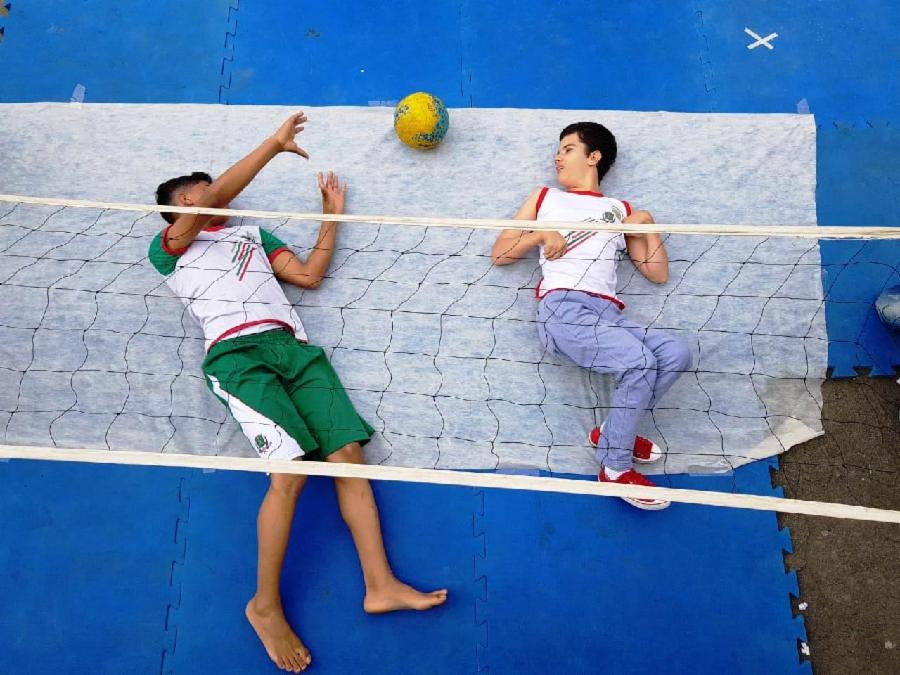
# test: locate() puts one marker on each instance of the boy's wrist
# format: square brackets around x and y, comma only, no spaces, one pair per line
[332,210]
[272,142]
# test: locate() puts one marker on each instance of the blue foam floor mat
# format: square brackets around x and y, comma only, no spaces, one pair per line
[87,554]
[471,54]
[144,52]
[855,188]
[149,569]
[580,586]
[428,532]
[812,58]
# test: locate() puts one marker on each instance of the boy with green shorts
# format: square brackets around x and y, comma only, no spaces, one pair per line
[280,389]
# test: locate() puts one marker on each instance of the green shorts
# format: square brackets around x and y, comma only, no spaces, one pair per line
[285,395]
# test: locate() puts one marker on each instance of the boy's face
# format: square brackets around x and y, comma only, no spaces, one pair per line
[574,165]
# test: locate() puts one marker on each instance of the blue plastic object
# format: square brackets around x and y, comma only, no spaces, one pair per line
[888,307]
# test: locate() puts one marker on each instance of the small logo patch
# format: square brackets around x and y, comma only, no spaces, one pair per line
[609,217]
[262,443]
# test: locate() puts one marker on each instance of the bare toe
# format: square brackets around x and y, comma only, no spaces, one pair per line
[281,643]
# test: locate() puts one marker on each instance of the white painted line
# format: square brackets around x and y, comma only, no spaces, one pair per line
[764,41]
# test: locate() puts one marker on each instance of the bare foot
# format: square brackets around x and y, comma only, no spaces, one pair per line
[282,644]
[396,596]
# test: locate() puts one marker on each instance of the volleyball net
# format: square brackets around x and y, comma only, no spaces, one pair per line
[436,346]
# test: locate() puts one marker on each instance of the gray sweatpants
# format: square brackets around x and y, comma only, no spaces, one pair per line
[595,334]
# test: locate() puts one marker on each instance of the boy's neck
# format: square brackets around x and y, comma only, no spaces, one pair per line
[586,185]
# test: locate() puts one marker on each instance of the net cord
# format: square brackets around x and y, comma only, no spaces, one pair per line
[455,478]
[799,231]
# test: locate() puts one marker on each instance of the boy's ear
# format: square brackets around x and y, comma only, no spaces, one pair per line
[594,157]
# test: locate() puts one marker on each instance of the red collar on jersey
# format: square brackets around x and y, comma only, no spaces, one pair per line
[586,192]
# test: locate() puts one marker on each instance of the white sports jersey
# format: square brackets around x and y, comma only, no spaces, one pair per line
[589,263]
[225,280]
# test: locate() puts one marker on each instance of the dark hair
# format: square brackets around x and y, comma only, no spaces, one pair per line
[167,190]
[596,137]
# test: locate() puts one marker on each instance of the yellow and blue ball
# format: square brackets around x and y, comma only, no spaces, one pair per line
[421,120]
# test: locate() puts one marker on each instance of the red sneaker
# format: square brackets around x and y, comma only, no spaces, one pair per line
[644,452]
[632,477]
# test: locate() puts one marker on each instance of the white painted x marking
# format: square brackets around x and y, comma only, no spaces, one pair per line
[764,41]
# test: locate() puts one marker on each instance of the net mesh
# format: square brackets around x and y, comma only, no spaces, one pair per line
[436,346]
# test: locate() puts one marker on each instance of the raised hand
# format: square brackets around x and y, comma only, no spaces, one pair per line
[286,133]
[333,192]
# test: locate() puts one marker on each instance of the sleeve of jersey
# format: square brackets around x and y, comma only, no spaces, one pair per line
[272,245]
[540,200]
[163,259]
[627,208]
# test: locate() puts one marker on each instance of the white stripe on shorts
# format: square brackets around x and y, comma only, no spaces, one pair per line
[266,437]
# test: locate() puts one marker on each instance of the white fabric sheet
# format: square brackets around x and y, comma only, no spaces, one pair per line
[437,347]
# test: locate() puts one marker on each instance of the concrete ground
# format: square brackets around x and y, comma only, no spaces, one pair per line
[849,571]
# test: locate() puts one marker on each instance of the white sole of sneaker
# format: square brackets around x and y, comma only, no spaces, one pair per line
[647,506]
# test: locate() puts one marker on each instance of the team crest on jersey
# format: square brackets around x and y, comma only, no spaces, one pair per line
[262,443]
[609,217]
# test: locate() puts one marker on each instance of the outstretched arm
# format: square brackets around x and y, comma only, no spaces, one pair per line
[309,273]
[512,245]
[229,185]
[647,251]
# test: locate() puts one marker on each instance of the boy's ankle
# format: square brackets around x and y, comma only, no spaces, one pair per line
[381,583]
[265,605]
